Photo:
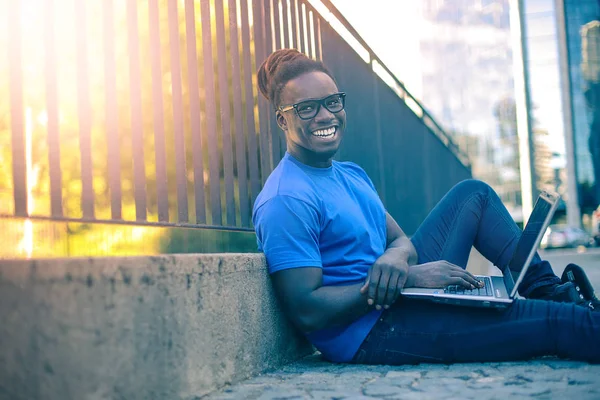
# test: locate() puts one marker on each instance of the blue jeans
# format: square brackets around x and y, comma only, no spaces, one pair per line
[413,331]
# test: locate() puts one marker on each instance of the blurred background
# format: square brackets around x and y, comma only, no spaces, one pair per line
[134,127]
[516,83]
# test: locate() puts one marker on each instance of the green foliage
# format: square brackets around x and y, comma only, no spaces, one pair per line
[72,120]
[184,240]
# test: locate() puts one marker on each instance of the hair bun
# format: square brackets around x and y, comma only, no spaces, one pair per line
[271,65]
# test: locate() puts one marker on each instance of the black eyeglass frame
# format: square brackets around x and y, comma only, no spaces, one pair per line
[320,103]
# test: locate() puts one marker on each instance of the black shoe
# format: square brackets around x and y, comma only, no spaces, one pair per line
[566,292]
[573,273]
[576,288]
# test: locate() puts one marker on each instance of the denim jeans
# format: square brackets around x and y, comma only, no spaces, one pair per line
[413,331]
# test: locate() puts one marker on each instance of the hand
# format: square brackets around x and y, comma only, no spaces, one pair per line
[384,281]
[438,274]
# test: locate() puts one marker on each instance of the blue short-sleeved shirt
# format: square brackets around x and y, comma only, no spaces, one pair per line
[330,218]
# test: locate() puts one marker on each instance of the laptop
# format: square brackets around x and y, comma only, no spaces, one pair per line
[499,291]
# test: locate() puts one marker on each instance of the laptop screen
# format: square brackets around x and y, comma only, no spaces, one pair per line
[529,241]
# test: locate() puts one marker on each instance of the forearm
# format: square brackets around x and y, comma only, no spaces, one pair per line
[337,305]
[328,306]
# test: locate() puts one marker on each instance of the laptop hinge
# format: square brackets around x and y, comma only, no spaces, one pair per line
[509,279]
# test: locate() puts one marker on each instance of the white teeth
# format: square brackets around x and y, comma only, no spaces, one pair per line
[324,132]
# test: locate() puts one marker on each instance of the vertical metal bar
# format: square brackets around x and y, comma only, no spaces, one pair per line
[311,20]
[295,24]
[198,158]
[160,156]
[301,26]
[240,144]
[319,49]
[273,20]
[270,34]
[307,49]
[177,98]
[291,24]
[84,112]
[225,114]
[572,198]
[249,100]
[211,114]
[273,25]
[285,27]
[52,110]
[16,108]
[135,94]
[260,21]
[112,112]
[523,104]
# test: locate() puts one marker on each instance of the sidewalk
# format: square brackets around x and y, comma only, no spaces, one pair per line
[312,378]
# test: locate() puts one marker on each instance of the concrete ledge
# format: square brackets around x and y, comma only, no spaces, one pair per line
[138,327]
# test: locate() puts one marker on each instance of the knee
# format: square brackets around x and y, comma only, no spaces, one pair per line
[471,187]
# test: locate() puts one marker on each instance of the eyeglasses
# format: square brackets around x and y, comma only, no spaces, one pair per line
[309,109]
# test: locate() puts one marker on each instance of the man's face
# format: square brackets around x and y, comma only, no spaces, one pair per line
[316,140]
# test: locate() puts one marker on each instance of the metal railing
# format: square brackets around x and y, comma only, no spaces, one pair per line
[390,78]
[147,112]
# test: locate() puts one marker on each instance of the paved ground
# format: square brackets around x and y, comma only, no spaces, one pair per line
[545,378]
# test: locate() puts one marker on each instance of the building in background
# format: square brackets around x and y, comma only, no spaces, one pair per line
[590,74]
[455,56]
[559,52]
[516,81]
[580,32]
[467,83]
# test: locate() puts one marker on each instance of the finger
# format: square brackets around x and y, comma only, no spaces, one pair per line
[402,279]
[468,277]
[392,290]
[481,282]
[364,287]
[382,289]
[460,281]
[373,284]
[469,274]
[478,281]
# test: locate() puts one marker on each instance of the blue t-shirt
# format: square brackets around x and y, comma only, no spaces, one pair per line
[331,218]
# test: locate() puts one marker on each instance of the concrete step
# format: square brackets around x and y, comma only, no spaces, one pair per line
[164,327]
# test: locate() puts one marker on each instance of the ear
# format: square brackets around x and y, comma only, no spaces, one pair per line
[281,121]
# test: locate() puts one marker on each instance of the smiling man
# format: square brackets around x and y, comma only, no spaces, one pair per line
[338,260]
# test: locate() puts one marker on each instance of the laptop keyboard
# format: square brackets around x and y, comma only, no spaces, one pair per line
[484,291]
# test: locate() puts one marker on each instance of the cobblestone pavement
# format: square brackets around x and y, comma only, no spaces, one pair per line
[312,378]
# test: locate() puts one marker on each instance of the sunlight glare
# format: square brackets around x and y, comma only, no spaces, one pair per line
[26,244]
[341,30]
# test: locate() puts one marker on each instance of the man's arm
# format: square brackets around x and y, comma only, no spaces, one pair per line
[389,273]
[312,306]
[398,244]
